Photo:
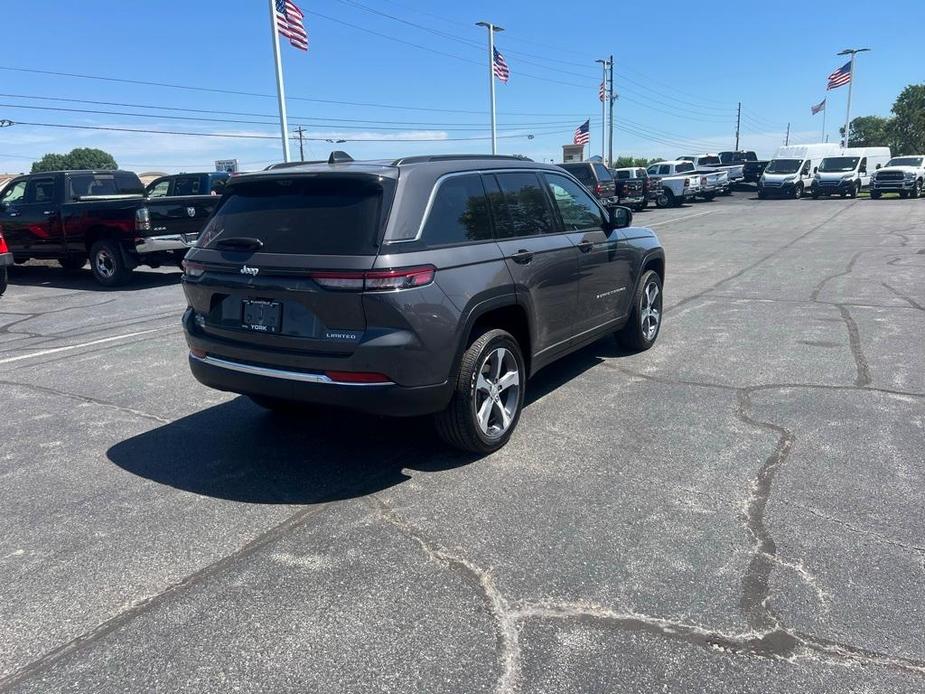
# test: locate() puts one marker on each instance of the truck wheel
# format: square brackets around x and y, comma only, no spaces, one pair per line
[855,189]
[488,397]
[903,194]
[916,191]
[72,262]
[3,280]
[798,191]
[107,263]
[762,195]
[709,196]
[642,328]
[664,199]
[643,205]
[875,195]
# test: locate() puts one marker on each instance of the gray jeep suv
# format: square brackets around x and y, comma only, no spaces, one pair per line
[434,284]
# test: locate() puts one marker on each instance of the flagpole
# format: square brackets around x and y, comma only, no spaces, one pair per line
[491,78]
[852,52]
[280,88]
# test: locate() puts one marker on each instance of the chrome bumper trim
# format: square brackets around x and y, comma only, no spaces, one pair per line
[283,374]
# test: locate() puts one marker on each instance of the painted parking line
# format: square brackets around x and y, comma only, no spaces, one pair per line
[679,219]
[55,350]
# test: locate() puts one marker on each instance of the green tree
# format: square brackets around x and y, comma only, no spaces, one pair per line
[80,158]
[624,162]
[869,131]
[909,120]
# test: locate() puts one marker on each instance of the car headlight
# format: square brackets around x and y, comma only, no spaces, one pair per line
[790,179]
[908,175]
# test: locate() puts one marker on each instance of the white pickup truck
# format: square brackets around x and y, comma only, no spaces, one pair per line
[712,162]
[903,175]
[712,181]
[676,186]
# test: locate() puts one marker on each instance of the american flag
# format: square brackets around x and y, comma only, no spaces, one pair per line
[583,133]
[500,68]
[602,92]
[290,25]
[818,107]
[840,77]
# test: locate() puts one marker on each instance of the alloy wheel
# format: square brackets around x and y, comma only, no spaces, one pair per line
[104,263]
[497,392]
[650,313]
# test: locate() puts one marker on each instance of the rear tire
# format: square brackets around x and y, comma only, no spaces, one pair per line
[488,397]
[108,264]
[645,322]
[72,263]
[664,199]
[3,280]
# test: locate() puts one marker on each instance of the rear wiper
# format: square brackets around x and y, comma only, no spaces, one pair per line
[240,243]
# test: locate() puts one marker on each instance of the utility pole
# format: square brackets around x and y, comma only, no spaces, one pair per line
[787,139]
[491,78]
[300,130]
[613,97]
[738,124]
[603,95]
[852,52]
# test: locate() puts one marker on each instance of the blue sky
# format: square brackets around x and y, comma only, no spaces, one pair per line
[680,69]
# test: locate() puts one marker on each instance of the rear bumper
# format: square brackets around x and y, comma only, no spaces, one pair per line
[6,259]
[167,242]
[315,388]
[632,200]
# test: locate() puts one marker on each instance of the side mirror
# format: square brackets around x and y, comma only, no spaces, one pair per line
[815,169]
[879,165]
[620,217]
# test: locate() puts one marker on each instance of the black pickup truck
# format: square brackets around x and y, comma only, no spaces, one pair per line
[103,216]
[752,166]
[208,183]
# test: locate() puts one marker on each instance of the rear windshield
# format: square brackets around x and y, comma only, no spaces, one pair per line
[329,215]
[709,161]
[686,166]
[115,183]
[580,171]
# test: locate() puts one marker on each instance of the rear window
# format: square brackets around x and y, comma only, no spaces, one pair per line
[459,212]
[684,166]
[602,173]
[623,175]
[187,185]
[329,215]
[710,161]
[115,183]
[582,172]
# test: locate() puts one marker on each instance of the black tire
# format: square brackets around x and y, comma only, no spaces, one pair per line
[798,191]
[664,199]
[678,201]
[709,196]
[72,262]
[916,191]
[3,280]
[634,336]
[458,424]
[815,195]
[855,189]
[762,195]
[903,194]
[727,191]
[643,205]
[108,264]
[875,195]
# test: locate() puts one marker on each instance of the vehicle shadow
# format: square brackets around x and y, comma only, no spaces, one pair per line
[82,280]
[240,452]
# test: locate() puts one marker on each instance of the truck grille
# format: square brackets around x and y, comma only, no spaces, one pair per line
[890,176]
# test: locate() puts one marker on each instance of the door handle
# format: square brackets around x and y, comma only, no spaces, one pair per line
[48,213]
[522,256]
[585,246]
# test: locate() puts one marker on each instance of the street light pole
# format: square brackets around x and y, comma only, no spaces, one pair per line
[491,78]
[852,52]
[602,92]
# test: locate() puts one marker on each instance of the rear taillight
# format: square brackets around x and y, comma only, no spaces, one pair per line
[3,247]
[191,269]
[598,189]
[142,219]
[376,280]
[356,377]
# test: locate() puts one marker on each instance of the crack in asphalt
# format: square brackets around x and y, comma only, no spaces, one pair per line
[87,399]
[912,302]
[847,271]
[854,341]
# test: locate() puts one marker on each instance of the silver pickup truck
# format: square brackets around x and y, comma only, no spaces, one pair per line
[712,182]
[705,163]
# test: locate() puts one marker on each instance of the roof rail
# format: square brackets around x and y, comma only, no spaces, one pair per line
[457,157]
[339,157]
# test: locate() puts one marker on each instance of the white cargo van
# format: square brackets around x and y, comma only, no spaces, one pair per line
[849,171]
[791,172]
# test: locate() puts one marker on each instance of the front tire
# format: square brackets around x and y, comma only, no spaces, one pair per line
[916,191]
[798,191]
[875,195]
[855,189]
[642,329]
[488,396]
[108,264]
[664,199]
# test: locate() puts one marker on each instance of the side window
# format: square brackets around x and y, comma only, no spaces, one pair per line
[664,170]
[863,167]
[15,192]
[41,190]
[652,170]
[577,209]
[186,185]
[805,171]
[602,173]
[459,212]
[158,189]
[520,207]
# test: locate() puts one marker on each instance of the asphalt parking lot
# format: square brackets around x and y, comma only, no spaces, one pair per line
[737,510]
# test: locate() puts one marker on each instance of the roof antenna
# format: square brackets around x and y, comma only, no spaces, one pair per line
[338,157]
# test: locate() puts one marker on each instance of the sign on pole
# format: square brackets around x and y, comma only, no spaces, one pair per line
[226,165]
